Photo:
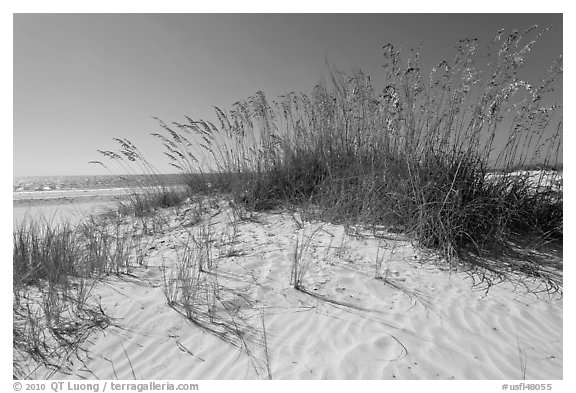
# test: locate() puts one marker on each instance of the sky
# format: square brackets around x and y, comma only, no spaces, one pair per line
[80,80]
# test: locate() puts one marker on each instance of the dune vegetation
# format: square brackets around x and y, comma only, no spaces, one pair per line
[445,156]
[418,156]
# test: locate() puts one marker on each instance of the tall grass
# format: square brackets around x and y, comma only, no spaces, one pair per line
[416,156]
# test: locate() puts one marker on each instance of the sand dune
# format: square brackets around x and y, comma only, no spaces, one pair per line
[421,321]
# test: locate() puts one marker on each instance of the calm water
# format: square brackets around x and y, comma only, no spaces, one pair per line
[69,198]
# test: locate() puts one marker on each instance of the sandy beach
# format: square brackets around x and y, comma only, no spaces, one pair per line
[370,306]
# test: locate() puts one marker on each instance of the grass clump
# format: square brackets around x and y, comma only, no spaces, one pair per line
[301,260]
[55,268]
[418,155]
[146,202]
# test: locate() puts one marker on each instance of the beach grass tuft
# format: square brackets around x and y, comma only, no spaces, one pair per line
[55,268]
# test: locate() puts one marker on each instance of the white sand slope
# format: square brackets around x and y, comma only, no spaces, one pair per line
[422,322]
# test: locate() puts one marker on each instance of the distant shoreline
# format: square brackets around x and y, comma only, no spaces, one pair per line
[26,184]
[68,196]
[25,198]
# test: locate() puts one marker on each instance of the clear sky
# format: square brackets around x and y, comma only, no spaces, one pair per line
[82,79]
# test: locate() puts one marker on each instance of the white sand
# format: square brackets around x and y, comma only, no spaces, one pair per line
[425,323]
